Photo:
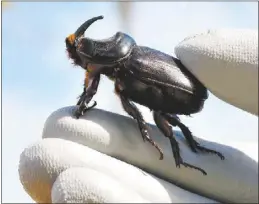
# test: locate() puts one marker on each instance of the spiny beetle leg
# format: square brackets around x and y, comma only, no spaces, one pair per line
[87,96]
[81,97]
[189,137]
[175,121]
[194,167]
[83,106]
[133,111]
[204,149]
[166,129]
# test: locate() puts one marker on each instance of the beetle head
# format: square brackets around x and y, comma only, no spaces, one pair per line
[72,40]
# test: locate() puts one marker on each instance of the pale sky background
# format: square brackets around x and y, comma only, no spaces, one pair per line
[37,77]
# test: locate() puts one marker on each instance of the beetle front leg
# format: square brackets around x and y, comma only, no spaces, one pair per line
[86,84]
[88,93]
[81,96]
[175,121]
[166,129]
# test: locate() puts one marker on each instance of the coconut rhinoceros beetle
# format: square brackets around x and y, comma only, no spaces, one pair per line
[142,75]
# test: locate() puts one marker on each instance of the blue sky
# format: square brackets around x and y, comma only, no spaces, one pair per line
[38,78]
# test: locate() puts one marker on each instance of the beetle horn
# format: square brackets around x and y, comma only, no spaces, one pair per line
[80,31]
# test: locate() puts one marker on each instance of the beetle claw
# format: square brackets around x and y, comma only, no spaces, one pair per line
[83,108]
[194,145]
[179,161]
[90,107]
[79,112]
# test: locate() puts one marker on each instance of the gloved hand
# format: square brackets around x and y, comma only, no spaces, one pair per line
[226,61]
[96,158]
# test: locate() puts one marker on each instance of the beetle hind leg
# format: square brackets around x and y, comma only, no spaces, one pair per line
[166,129]
[175,121]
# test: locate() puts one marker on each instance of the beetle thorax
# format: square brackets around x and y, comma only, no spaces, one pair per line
[110,71]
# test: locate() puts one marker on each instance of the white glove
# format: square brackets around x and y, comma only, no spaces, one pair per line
[71,163]
[226,61]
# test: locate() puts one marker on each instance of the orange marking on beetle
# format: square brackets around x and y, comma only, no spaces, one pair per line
[90,68]
[86,78]
[117,93]
[71,38]
[117,88]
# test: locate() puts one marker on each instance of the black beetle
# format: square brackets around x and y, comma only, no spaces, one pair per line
[142,75]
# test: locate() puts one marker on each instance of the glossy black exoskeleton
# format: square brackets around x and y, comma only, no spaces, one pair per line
[142,75]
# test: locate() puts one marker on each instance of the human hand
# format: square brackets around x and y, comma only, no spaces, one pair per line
[71,164]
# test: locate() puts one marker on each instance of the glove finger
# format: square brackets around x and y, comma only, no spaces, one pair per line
[84,185]
[226,62]
[72,171]
[119,136]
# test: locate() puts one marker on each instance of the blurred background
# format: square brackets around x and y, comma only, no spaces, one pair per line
[38,78]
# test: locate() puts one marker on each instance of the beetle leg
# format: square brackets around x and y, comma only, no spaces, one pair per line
[166,129]
[81,97]
[189,137]
[87,95]
[132,110]
[86,84]
[174,121]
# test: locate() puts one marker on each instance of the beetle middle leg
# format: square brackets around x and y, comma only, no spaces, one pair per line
[175,121]
[133,111]
[166,129]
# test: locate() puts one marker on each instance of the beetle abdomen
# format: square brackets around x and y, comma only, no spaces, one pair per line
[157,98]
[163,70]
